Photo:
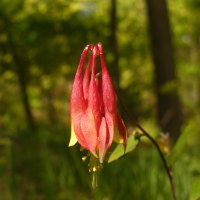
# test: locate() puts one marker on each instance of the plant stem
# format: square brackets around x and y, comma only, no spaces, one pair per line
[167,168]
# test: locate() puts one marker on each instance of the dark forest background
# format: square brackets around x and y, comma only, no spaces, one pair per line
[152,49]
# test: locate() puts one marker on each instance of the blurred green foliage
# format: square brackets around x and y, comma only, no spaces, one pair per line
[44,40]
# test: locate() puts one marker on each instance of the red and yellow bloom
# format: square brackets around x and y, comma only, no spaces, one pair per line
[95,123]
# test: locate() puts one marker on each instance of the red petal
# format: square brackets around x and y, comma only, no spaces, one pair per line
[110,124]
[78,131]
[86,78]
[93,96]
[88,129]
[102,139]
[122,129]
[77,101]
[107,86]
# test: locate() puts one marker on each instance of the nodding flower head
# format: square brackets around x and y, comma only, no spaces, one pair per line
[95,122]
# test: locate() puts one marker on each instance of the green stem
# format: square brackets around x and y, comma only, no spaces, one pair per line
[167,169]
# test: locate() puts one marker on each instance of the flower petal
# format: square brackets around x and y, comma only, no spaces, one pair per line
[77,101]
[109,99]
[94,100]
[110,124]
[120,134]
[88,129]
[102,139]
[73,138]
[78,130]
[86,79]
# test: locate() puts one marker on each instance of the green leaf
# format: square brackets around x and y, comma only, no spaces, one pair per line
[119,150]
[195,191]
[179,146]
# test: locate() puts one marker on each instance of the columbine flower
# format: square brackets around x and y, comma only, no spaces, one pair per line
[95,122]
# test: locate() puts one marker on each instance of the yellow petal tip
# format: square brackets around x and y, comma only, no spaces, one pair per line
[73,138]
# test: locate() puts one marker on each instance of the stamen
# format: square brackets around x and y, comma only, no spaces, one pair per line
[84,158]
[98,75]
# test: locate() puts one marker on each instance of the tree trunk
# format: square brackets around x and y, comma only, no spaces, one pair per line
[114,44]
[20,65]
[168,103]
[24,95]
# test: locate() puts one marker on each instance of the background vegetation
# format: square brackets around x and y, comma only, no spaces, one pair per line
[40,45]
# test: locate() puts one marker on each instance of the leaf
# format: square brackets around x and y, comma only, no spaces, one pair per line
[179,146]
[119,150]
[195,191]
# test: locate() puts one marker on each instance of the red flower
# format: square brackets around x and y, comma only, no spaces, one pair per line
[95,122]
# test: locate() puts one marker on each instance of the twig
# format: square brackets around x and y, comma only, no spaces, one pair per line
[167,169]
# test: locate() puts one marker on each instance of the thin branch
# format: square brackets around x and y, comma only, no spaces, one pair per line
[167,169]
